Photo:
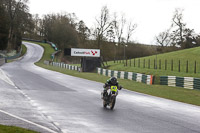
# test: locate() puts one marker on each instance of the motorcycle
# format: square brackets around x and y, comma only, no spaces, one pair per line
[109,99]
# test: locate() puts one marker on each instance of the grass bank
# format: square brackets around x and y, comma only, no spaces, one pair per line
[12,129]
[173,93]
[178,63]
[24,49]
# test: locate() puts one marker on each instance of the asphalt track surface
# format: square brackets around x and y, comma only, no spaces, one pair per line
[54,102]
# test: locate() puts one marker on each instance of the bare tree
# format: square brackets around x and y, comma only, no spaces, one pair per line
[164,38]
[131,27]
[119,27]
[103,23]
[110,34]
[177,19]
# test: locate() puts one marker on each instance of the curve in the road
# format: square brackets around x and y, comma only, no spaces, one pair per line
[74,105]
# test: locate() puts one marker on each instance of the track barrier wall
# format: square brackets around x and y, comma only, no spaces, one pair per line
[62,65]
[138,77]
[185,82]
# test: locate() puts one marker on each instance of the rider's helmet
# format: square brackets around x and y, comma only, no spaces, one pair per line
[113,80]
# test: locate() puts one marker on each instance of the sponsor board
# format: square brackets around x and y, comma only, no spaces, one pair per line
[85,52]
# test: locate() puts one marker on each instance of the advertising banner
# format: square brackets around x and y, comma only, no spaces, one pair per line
[85,52]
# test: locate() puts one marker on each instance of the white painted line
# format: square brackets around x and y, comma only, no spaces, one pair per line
[57,124]
[50,118]
[40,126]
[4,77]
[64,130]
[29,98]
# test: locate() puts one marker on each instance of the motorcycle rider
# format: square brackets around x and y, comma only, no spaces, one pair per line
[111,82]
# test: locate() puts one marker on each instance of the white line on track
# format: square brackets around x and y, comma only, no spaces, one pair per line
[57,124]
[22,119]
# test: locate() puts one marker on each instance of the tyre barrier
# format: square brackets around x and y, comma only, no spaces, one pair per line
[185,82]
[138,77]
[62,65]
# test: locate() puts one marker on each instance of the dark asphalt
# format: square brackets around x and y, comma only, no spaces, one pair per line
[71,104]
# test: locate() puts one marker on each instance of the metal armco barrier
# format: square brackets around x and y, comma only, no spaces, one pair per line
[185,82]
[138,77]
[15,56]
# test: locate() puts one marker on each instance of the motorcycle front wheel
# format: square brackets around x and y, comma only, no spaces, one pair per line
[104,104]
[112,103]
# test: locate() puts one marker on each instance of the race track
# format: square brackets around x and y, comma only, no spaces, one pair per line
[69,104]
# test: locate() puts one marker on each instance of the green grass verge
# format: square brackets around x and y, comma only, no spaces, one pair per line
[12,129]
[48,50]
[173,93]
[24,49]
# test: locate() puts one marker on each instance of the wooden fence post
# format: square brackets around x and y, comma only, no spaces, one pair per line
[139,63]
[172,65]
[179,66]
[144,63]
[160,64]
[126,61]
[149,64]
[165,64]
[187,66]
[195,67]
